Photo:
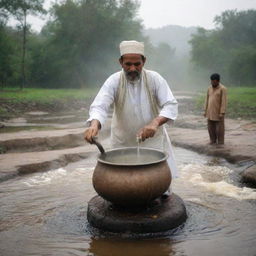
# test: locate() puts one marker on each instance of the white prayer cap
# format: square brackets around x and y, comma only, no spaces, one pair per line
[133,47]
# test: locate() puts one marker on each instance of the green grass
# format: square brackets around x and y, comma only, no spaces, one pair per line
[241,102]
[46,95]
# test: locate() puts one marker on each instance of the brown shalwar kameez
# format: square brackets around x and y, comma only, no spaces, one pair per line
[215,108]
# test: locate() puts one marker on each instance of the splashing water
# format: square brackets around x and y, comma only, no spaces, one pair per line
[216,179]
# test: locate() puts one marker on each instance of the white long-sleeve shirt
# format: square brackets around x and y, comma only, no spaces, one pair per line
[136,97]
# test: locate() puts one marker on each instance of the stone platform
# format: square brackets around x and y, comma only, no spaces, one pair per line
[160,216]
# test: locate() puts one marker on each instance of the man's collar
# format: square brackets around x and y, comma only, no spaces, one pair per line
[216,86]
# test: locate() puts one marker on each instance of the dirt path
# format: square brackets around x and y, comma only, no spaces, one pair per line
[36,151]
[190,132]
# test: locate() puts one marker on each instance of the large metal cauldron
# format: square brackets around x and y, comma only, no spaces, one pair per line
[131,178]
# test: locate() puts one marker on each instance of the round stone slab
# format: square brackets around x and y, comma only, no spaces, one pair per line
[161,215]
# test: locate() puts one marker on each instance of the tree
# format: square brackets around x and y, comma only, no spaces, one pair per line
[20,10]
[207,50]
[82,41]
[230,48]
[6,49]
[242,69]
[161,59]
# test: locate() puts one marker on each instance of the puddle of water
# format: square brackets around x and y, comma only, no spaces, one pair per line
[45,214]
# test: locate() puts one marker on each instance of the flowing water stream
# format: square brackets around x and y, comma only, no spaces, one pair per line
[45,214]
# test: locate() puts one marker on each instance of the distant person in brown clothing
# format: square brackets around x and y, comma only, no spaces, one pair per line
[215,108]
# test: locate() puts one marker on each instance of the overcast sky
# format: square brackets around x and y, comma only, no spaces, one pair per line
[158,13]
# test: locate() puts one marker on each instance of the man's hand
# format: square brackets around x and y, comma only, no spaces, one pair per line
[147,131]
[150,129]
[221,116]
[92,131]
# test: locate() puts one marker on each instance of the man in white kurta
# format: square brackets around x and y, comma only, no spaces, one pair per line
[143,103]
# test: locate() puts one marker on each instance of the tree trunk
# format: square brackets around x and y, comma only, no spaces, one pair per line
[23,71]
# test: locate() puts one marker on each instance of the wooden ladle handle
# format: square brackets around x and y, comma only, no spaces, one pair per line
[101,149]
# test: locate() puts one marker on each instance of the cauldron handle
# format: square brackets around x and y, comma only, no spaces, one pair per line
[101,149]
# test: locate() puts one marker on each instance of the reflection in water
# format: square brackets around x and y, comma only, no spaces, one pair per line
[118,247]
[45,214]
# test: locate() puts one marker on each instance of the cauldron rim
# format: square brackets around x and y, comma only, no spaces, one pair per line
[161,159]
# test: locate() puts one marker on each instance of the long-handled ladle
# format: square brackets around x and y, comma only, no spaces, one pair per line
[101,149]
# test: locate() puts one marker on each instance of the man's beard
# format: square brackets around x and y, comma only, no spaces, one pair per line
[132,76]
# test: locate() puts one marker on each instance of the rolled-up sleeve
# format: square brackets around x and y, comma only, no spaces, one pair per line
[100,107]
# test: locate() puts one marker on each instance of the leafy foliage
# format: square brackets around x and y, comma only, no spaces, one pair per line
[78,47]
[161,59]
[82,41]
[230,49]
[20,10]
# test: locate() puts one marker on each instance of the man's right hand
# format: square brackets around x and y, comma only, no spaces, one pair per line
[92,131]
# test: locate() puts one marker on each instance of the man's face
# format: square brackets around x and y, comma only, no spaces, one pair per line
[215,83]
[132,65]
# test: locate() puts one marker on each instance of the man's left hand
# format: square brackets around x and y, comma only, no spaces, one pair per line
[147,131]
[150,129]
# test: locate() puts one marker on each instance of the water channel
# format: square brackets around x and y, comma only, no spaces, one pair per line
[45,214]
